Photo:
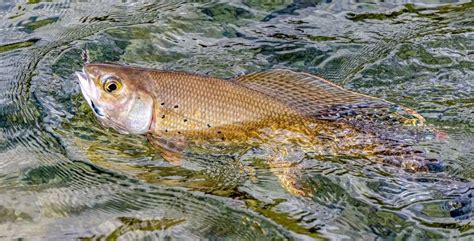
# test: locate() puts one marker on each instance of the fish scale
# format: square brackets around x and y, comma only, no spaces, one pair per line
[223,103]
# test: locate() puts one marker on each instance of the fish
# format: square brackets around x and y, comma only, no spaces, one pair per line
[278,108]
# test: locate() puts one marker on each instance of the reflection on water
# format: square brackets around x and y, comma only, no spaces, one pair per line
[63,176]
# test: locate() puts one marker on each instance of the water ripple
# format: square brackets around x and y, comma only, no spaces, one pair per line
[64,176]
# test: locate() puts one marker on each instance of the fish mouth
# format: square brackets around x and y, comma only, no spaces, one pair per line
[97,110]
[89,92]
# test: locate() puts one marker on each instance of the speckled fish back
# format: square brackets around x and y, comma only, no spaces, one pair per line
[191,102]
[188,102]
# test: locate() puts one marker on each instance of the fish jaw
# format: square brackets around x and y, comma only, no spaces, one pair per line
[89,92]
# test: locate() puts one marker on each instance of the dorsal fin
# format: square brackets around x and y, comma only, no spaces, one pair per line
[316,97]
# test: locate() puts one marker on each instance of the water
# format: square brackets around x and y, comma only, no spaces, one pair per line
[63,176]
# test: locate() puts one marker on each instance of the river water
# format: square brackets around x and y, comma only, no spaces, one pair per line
[63,176]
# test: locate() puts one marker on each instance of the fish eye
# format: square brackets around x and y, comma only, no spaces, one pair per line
[112,84]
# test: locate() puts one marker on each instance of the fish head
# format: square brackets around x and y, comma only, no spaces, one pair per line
[117,96]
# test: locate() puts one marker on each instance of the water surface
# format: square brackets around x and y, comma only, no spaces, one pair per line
[63,176]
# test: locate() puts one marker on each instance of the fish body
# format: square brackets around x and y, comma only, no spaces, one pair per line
[177,110]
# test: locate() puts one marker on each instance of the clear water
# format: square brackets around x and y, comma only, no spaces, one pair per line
[63,176]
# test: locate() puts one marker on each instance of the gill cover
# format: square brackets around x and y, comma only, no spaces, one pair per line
[139,114]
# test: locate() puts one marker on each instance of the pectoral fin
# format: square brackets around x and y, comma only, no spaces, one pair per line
[316,97]
[170,148]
